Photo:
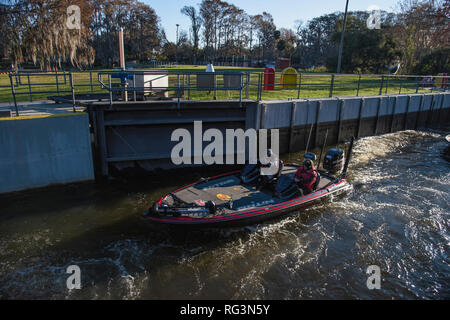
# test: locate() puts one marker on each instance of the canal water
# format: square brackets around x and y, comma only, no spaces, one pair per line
[396,217]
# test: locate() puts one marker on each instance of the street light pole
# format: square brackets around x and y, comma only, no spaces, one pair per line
[341,45]
[176,49]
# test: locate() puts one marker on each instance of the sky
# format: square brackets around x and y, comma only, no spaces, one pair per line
[284,12]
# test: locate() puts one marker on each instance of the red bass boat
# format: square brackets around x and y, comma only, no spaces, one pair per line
[237,198]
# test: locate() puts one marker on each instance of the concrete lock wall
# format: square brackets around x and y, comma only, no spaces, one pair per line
[349,116]
[39,152]
[137,135]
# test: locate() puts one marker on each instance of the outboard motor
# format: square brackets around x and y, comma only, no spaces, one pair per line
[334,161]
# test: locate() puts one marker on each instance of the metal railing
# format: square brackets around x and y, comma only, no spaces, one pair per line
[29,84]
[180,83]
[253,85]
[162,64]
[340,84]
[196,85]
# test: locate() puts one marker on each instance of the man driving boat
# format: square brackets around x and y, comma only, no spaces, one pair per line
[306,177]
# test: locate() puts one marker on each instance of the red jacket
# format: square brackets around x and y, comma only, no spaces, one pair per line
[307,178]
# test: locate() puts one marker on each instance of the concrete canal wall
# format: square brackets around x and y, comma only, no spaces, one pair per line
[137,135]
[352,116]
[38,152]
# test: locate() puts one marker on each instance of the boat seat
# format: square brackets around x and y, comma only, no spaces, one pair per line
[317,183]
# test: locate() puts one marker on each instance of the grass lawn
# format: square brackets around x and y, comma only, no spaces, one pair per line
[312,85]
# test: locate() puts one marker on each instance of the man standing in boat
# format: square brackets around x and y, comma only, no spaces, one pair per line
[306,177]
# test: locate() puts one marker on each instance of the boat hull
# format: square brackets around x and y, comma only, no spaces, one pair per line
[255,215]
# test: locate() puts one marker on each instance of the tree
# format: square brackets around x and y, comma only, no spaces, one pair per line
[211,12]
[196,23]
[287,44]
[422,26]
[315,40]
[12,26]
[182,50]
[37,29]
[141,31]
[438,61]
[365,50]
[227,30]
[142,34]
[267,35]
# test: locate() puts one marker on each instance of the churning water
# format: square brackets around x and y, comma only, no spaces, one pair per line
[396,217]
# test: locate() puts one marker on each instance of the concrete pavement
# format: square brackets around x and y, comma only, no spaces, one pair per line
[37,108]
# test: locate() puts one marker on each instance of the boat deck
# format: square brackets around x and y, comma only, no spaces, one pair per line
[230,195]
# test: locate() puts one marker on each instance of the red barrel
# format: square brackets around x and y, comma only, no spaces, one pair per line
[269,79]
